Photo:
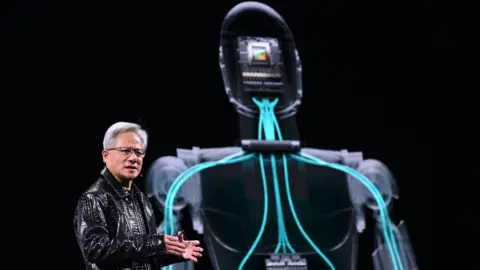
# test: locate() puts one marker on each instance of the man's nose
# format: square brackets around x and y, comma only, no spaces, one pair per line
[132,157]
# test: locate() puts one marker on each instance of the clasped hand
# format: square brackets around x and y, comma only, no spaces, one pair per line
[177,245]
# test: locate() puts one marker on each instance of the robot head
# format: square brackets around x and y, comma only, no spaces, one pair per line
[258,59]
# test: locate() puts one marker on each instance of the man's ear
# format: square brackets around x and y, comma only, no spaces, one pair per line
[104,156]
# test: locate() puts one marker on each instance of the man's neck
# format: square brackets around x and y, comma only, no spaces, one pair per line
[127,184]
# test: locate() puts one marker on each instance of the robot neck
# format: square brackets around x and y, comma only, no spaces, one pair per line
[249,128]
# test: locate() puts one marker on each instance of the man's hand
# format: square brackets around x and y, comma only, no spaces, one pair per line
[174,246]
[192,251]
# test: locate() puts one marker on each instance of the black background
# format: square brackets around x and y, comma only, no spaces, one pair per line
[387,78]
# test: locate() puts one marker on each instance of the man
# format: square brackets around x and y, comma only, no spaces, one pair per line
[114,222]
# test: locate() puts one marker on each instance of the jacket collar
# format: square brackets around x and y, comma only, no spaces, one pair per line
[113,182]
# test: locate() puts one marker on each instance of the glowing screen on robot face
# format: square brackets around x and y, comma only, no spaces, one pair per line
[259,54]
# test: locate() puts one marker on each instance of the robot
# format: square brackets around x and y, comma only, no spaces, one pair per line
[271,203]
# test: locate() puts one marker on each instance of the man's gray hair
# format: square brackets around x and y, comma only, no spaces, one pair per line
[120,127]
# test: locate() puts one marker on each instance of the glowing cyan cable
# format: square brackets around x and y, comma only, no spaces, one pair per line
[385,220]
[365,181]
[264,219]
[270,114]
[282,238]
[185,176]
[269,124]
[176,182]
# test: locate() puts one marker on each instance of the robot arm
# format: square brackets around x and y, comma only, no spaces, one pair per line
[165,170]
[382,178]
[160,177]
[381,255]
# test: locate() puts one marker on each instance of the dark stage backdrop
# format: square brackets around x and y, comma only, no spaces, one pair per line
[383,77]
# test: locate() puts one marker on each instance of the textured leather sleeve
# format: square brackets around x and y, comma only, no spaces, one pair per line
[93,236]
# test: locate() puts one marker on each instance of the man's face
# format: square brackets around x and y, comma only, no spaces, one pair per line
[125,158]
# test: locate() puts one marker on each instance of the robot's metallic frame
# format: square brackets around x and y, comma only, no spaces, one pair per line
[166,169]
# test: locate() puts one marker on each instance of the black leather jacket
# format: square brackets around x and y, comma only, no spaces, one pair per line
[108,226]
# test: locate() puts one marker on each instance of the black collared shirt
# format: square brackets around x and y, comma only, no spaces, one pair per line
[134,209]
